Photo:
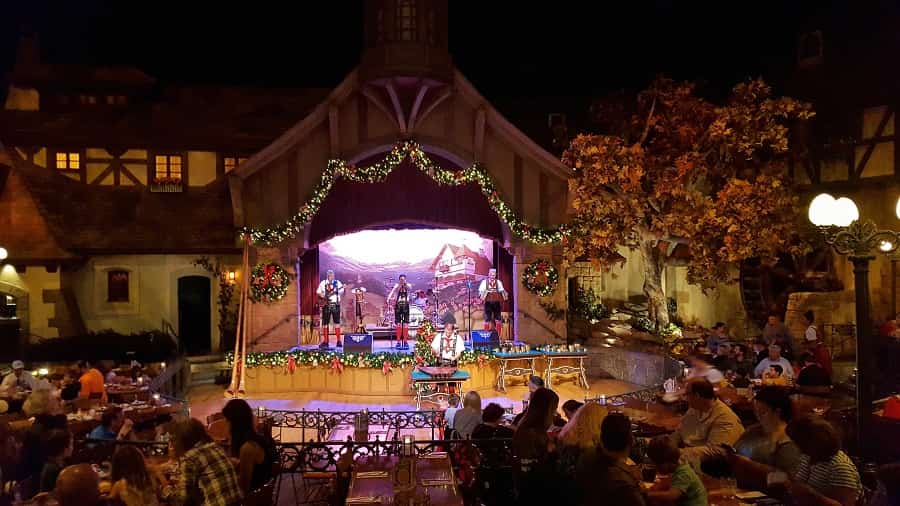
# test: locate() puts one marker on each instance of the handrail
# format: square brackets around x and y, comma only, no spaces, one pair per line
[542,325]
[174,380]
[322,422]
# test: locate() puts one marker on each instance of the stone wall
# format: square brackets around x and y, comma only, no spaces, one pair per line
[829,309]
[273,327]
[640,368]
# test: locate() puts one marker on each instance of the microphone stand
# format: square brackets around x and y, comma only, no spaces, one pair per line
[469,303]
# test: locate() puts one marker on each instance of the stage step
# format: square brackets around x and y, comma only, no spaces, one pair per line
[209,369]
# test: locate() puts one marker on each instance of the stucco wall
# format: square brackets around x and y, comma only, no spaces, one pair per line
[36,281]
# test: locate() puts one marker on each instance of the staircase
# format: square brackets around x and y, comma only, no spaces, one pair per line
[209,370]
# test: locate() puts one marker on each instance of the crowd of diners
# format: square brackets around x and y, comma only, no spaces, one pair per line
[589,454]
[198,470]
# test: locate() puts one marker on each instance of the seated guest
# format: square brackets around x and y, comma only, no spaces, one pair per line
[812,378]
[113,425]
[766,447]
[533,457]
[744,358]
[701,368]
[490,427]
[132,483]
[570,407]
[825,475]
[760,352]
[256,453]
[534,383]
[708,423]
[452,408]
[686,488]
[205,475]
[19,379]
[78,485]
[70,387]
[741,379]
[774,376]
[724,360]
[605,476]
[48,415]
[774,358]
[578,440]
[91,379]
[494,481]
[776,332]
[57,448]
[466,419]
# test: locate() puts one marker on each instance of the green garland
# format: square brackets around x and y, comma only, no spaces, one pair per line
[337,169]
[540,278]
[269,283]
[423,355]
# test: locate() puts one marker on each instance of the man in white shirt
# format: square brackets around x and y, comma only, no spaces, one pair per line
[331,291]
[447,345]
[774,358]
[18,379]
[708,424]
[492,292]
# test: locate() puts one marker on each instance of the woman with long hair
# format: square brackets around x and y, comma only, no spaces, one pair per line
[466,419]
[256,454]
[132,483]
[533,466]
[578,440]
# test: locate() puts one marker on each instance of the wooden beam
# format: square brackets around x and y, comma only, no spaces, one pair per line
[398,108]
[543,201]
[235,187]
[478,141]
[99,179]
[414,112]
[292,185]
[362,119]
[518,184]
[857,172]
[334,133]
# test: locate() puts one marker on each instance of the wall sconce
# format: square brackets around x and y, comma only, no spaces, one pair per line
[43,371]
[232,276]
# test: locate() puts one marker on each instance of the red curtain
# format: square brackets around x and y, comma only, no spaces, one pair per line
[309,281]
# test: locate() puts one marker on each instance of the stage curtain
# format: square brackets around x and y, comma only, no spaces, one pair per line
[407,196]
[309,281]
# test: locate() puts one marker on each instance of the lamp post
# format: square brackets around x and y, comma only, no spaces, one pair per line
[838,220]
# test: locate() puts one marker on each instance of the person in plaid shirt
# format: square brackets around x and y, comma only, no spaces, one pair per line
[206,477]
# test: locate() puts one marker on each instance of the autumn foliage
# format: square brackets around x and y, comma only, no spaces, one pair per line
[680,169]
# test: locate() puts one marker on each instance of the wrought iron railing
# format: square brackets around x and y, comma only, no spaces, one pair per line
[327,456]
[100,450]
[318,425]
[644,395]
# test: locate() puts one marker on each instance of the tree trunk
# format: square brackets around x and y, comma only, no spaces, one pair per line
[654,265]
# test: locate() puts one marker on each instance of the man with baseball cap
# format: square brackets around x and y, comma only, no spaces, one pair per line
[18,379]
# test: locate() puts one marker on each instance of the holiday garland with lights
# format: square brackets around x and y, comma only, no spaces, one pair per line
[268,283]
[540,278]
[377,172]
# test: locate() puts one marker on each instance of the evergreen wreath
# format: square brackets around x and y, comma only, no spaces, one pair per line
[269,283]
[540,278]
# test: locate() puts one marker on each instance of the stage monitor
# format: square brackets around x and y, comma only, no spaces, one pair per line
[485,339]
[358,343]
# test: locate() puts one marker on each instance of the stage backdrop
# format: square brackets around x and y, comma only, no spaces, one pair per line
[444,266]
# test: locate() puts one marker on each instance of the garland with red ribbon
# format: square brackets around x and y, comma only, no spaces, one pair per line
[291,365]
[269,283]
[336,365]
[386,367]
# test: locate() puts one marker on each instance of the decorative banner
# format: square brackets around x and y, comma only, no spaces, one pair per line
[269,283]
[341,169]
[540,278]
[320,358]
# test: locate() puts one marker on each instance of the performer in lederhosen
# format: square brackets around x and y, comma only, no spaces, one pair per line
[359,300]
[331,290]
[448,345]
[400,295]
[493,293]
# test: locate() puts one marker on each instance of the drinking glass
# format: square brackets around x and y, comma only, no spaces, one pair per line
[648,473]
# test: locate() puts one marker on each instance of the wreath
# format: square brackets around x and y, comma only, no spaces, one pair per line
[540,278]
[269,283]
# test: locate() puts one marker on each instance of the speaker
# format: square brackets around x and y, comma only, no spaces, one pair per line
[485,339]
[357,343]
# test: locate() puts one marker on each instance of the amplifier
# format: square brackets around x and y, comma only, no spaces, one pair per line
[357,343]
[485,339]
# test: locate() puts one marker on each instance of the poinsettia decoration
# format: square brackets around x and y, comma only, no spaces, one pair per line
[269,283]
[540,278]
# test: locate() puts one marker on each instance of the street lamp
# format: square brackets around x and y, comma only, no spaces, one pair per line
[3,254]
[838,220]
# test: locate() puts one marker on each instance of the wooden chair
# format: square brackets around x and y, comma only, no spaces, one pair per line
[262,496]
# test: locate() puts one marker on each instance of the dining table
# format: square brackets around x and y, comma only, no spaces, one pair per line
[371,481]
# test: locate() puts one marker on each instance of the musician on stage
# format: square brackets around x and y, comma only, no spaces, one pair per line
[493,293]
[331,290]
[448,345]
[400,295]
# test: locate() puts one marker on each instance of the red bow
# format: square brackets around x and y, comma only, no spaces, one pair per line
[480,361]
[268,272]
[291,364]
[419,360]
[336,365]
[386,367]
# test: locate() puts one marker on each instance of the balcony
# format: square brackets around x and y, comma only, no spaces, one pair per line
[166,185]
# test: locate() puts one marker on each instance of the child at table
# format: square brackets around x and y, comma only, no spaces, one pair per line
[774,376]
[132,483]
[686,488]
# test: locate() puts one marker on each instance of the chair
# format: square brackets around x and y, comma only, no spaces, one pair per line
[263,496]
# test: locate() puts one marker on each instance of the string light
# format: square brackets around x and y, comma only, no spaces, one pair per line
[377,172]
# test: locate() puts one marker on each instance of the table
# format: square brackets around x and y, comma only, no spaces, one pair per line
[422,381]
[578,356]
[505,369]
[140,415]
[652,418]
[127,393]
[434,477]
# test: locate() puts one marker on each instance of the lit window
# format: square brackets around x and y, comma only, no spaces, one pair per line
[87,99]
[231,162]
[406,20]
[167,167]
[68,161]
[117,286]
